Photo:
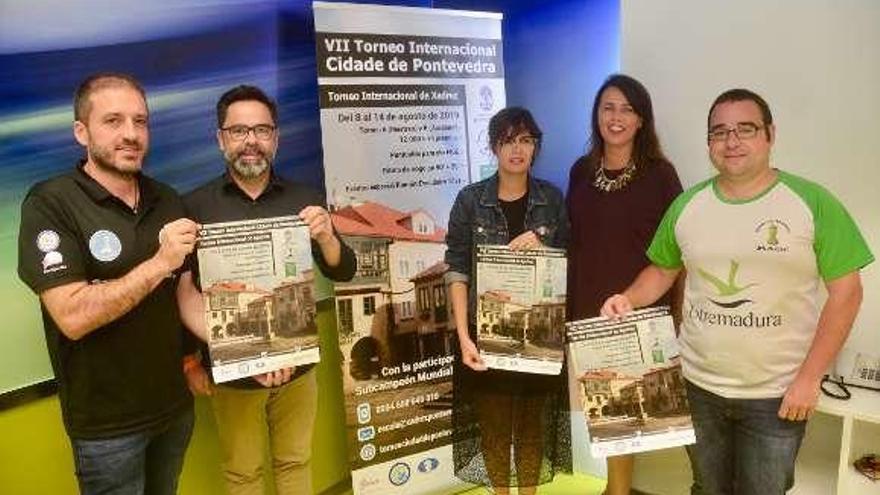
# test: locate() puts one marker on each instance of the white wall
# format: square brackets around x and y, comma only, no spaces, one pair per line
[817,63]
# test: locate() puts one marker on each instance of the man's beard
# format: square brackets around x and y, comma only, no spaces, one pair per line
[248,171]
[103,159]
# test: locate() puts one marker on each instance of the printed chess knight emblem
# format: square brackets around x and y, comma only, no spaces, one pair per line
[105,245]
[772,235]
[289,247]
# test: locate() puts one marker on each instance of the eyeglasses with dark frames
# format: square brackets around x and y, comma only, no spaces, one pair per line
[521,140]
[742,130]
[263,132]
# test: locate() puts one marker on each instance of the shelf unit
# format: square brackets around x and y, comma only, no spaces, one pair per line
[860,435]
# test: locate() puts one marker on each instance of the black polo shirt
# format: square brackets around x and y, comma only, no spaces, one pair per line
[126,376]
[221,200]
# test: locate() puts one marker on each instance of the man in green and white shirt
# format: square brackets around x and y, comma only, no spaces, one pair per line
[756,243]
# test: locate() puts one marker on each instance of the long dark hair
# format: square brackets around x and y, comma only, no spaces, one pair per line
[646,146]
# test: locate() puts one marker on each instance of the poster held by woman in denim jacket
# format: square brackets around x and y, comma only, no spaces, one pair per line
[494,409]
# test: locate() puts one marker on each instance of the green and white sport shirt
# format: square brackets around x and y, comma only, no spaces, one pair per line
[754,270]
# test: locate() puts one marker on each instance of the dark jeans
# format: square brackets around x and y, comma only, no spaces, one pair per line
[140,463]
[743,447]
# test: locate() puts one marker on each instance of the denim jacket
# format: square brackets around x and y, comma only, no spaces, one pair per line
[477,218]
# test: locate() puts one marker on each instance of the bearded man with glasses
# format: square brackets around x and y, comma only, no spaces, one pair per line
[280,405]
[756,242]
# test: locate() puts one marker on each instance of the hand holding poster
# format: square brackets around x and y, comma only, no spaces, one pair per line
[630,382]
[521,308]
[257,280]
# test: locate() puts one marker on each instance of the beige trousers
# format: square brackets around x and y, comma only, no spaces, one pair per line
[286,415]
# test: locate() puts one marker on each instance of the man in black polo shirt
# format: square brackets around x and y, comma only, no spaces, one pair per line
[285,400]
[100,245]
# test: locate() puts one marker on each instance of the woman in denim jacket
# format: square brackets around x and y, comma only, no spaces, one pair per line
[494,409]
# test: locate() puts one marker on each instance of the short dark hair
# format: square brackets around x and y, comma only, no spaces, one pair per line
[244,92]
[511,121]
[100,80]
[740,94]
[646,145]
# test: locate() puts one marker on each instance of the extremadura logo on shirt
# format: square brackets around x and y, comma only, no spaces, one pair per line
[729,297]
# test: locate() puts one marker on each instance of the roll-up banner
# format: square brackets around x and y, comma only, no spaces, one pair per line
[406,95]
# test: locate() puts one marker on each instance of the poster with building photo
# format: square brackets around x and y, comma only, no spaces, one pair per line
[521,308]
[405,97]
[629,382]
[257,279]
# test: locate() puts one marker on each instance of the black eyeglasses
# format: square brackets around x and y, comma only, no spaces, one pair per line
[743,130]
[263,132]
[521,140]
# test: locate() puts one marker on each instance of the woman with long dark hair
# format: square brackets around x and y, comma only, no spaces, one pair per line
[617,195]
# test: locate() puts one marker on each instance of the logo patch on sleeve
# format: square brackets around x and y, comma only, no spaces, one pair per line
[48,240]
[53,262]
[105,245]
